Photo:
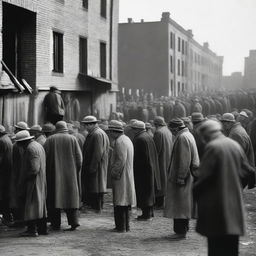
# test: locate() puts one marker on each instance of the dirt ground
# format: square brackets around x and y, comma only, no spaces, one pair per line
[95,238]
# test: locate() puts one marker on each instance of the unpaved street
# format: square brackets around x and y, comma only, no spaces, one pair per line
[95,238]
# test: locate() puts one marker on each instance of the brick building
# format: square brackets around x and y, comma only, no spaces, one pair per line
[163,58]
[68,44]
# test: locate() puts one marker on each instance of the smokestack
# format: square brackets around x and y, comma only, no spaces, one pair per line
[206,45]
[142,20]
[165,16]
[130,20]
[190,33]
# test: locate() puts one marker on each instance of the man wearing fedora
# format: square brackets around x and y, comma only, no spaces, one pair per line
[95,164]
[184,162]
[164,143]
[121,169]
[146,170]
[33,192]
[63,166]
[5,174]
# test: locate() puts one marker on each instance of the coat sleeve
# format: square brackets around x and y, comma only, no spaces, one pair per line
[34,162]
[78,155]
[97,152]
[118,161]
[158,139]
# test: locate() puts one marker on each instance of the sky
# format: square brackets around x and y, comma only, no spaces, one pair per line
[228,25]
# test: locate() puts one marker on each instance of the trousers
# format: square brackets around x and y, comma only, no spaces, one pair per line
[181,226]
[122,218]
[39,226]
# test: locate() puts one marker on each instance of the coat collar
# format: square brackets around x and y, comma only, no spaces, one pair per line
[179,133]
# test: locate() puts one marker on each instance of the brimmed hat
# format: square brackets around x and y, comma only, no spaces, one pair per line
[148,125]
[176,123]
[228,117]
[89,120]
[159,120]
[61,126]
[138,125]
[2,129]
[22,136]
[48,127]
[115,125]
[197,117]
[244,114]
[36,128]
[210,126]
[22,125]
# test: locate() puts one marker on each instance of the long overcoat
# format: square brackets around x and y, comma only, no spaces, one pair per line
[239,134]
[5,167]
[146,169]
[179,110]
[218,188]
[164,143]
[95,163]
[35,183]
[122,176]
[184,160]
[64,161]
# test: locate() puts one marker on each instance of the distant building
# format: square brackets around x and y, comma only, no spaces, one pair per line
[250,70]
[163,58]
[234,81]
[68,44]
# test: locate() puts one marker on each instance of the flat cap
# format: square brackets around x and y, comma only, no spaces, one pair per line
[89,120]
[228,117]
[176,122]
[197,117]
[115,125]
[138,125]
[159,120]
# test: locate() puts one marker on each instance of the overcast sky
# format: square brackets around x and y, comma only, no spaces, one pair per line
[228,25]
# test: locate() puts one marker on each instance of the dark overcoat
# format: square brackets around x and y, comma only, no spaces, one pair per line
[146,169]
[164,143]
[35,182]
[179,110]
[218,188]
[95,163]
[64,161]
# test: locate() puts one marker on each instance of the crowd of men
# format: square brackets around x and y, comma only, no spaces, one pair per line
[196,165]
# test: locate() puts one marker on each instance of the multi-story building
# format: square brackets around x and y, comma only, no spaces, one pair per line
[234,81]
[250,70]
[163,58]
[68,44]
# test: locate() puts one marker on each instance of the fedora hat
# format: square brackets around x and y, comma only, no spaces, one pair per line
[22,125]
[197,117]
[23,136]
[228,117]
[89,120]
[61,126]
[48,127]
[159,120]
[176,123]
[138,125]
[36,128]
[115,125]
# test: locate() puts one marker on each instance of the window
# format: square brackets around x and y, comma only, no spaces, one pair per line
[178,44]
[85,4]
[183,87]
[171,64]
[83,55]
[57,52]
[178,87]
[171,40]
[103,60]
[182,68]
[186,48]
[178,67]
[172,89]
[183,47]
[103,8]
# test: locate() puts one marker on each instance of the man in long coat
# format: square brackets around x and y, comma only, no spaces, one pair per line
[179,109]
[184,162]
[63,166]
[34,189]
[164,143]
[121,169]
[235,131]
[218,190]
[146,170]
[5,174]
[95,164]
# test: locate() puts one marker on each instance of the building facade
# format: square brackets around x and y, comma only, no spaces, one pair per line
[164,59]
[234,81]
[68,44]
[250,70]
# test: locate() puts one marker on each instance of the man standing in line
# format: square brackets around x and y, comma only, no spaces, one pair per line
[95,164]
[218,191]
[184,162]
[146,170]
[63,166]
[163,141]
[34,189]
[121,169]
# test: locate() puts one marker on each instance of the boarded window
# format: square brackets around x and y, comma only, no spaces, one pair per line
[103,59]
[83,55]
[57,52]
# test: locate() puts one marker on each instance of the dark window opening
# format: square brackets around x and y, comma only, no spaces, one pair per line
[103,8]
[171,64]
[178,44]
[103,60]
[57,52]
[183,47]
[178,67]
[83,55]
[85,4]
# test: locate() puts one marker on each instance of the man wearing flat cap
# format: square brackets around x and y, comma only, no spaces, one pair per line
[146,170]
[5,174]
[164,143]
[218,190]
[184,163]
[121,169]
[33,192]
[36,131]
[235,131]
[63,168]
[95,164]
